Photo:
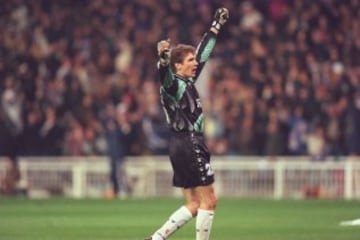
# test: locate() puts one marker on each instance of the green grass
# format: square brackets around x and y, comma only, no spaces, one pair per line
[134,219]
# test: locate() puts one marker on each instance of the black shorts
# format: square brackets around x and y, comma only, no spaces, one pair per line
[190,160]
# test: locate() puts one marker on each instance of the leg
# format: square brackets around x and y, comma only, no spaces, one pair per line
[114,175]
[179,217]
[207,197]
[206,211]
[192,200]
[124,183]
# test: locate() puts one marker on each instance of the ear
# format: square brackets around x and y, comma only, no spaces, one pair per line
[178,66]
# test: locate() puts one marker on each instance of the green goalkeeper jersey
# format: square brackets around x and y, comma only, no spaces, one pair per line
[179,97]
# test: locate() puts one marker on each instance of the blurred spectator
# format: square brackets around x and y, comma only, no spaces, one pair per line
[51,134]
[251,18]
[11,122]
[30,140]
[74,138]
[155,132]
[298,132]
[117,131]
[274,143]
[8,184]
[352,130]
[317,147]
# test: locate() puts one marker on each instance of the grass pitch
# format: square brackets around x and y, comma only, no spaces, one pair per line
[134,219]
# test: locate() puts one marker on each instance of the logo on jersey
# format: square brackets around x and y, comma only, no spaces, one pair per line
[198,103]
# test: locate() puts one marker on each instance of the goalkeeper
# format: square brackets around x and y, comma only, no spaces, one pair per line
[179,68]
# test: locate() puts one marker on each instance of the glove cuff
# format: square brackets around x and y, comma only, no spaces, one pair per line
[165,58]
[216,25]
[164,62]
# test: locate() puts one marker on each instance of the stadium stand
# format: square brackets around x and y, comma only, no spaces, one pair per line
[284,79]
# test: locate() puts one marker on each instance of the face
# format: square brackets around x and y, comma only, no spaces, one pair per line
[188,67]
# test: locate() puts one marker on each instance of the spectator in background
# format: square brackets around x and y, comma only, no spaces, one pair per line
[297,132]
[30,140]
[11,122]
[274,143]
[155,132]
[8,184]
[333,126]
[117,130]
[74,137]
[51,134]
[251,17]
[352,132]
[316,144]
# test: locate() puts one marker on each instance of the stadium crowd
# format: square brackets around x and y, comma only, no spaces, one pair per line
[284,78]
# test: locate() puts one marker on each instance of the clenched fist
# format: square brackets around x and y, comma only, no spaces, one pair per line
[220,18]
[163,48]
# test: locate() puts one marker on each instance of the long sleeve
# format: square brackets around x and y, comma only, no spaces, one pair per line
[204,50]
[165,75]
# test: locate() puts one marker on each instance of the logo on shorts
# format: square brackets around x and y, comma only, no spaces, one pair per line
[209,171]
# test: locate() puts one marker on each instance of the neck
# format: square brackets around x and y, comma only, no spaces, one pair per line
[181,75]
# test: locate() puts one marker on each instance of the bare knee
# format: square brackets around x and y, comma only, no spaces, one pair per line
[209,202]
[193,206]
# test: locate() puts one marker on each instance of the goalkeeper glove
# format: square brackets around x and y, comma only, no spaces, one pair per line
[220,18]
[163,48]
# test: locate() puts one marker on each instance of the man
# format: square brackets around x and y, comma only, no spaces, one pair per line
[118,132]
[8,184]
[179,68]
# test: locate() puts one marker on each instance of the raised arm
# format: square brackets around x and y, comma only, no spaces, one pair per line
[208,41]
[166,76]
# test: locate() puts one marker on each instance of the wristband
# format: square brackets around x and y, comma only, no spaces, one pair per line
[216,25]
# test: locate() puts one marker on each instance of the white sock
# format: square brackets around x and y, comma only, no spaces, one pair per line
[175,221]
[204,221]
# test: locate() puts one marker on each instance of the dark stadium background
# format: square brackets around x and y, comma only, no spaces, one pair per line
[283,80]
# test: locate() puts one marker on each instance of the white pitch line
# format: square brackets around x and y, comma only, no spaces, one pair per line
[355,222]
